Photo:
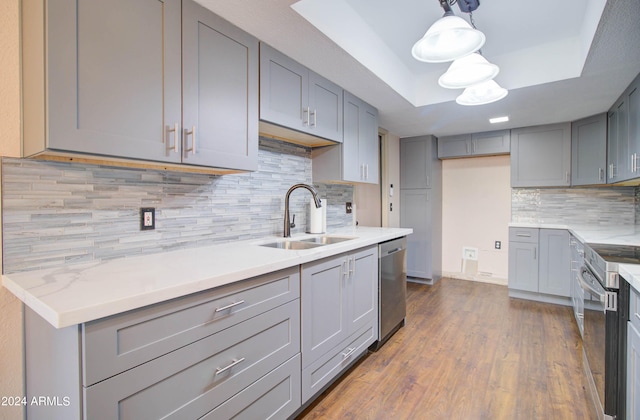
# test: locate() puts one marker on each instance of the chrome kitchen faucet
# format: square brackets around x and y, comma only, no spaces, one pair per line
[287,221]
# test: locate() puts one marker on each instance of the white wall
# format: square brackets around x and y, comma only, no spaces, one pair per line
[476,211]
[11,364]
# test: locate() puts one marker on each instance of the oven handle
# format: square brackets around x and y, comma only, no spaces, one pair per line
[585,285]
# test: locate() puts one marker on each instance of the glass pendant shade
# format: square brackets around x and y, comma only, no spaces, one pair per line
[482,93]
[449,38]
[467,71]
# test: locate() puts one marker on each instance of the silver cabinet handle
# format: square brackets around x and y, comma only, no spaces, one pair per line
[345,271]
[306,118]
[611,176]
[474,146]
[352,266]
[229,306]
[535,253]
[315,117]
[567,176]
[191,133]
[601,174]
[350,351]
[366,171]
[176,132]
[428,181]
[229,366]
[523,235]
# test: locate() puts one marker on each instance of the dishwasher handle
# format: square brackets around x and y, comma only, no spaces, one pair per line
[393,251]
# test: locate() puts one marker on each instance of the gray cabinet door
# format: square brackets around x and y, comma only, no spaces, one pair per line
[323,306]
[541,156]
[633,127]
[220,88]
[415,163]
[114,90]
[554,275]
[325,108]
[523,266]
[284,93]
[618,156]
[415,213]
[589,150]
[491,143]
[454,146]
[633,372]
[363,288]
[360,142]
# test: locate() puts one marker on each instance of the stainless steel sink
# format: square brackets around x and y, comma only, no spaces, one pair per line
[326,240]
[294,245]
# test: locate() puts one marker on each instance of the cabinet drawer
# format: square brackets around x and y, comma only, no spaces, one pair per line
[523,235]
[191,381]
[634,307]
[327,367]
[276,395]
[113,345]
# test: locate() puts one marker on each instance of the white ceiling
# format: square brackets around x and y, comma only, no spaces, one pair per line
[560,60]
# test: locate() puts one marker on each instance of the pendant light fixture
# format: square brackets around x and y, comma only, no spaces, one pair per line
[449,38]
[468,70]
[482,93]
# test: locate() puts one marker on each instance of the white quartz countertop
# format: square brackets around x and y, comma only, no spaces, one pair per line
[78,293]
[594,234]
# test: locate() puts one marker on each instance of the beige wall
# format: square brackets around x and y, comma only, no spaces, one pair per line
[11,364]
[476,203]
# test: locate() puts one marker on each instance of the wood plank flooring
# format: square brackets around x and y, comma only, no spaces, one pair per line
[467,351]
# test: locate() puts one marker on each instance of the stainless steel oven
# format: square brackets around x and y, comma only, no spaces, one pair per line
[604,322]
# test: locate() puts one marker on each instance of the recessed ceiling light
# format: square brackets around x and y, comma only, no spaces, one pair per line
[498,119]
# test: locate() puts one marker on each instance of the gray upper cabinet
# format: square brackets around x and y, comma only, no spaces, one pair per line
[541,156]
[117,91]
[491,143]
[294,97]
[356,159]
[477,144]
[589,150]
[624,135]
[454,146]
[220,91]
[109,88]
[416,163]
[618,165]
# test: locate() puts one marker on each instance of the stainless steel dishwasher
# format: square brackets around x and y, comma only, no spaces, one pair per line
[392,288]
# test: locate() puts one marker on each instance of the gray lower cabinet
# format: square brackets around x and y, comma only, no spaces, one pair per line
[183,90]
[221,351]
[540,264]
[633,372]
[633,357]
[589,150]
[421,206]
[477,144]
[339,306]
[294,97]
[356,159]
[541,156]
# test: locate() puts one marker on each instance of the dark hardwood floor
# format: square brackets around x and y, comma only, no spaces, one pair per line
[467,351]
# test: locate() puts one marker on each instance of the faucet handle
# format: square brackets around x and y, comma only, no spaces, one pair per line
[293,221]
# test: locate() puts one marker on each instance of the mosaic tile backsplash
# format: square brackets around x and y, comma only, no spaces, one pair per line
[600,206]
[60,213]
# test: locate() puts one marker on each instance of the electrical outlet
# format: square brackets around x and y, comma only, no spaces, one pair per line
[147,218]
[348,207]
[498,245]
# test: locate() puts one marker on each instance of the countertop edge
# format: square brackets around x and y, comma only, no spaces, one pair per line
[61,315]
